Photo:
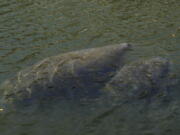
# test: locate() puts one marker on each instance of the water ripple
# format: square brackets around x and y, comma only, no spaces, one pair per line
[31,30]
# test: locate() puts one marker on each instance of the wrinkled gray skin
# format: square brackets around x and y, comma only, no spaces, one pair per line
[73,75]
[145,79]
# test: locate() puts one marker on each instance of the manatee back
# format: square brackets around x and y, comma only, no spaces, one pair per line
[77,74]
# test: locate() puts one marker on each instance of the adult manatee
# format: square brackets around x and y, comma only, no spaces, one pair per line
[73,75]
[143,79]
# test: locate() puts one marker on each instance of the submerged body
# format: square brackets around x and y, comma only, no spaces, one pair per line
[143,79]
[72,75]
[88,74]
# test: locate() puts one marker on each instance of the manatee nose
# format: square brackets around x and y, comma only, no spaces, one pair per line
[120,47]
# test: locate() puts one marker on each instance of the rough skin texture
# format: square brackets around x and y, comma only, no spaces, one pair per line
[73,75]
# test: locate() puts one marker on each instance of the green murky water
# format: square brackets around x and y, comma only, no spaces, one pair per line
[31,30]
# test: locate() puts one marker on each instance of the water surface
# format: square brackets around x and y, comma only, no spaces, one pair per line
[31,30]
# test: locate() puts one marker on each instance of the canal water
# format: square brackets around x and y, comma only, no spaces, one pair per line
[31,30]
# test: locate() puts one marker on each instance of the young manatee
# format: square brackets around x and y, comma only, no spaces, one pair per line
[72,75]
[143,79]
